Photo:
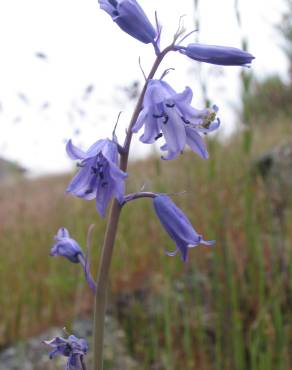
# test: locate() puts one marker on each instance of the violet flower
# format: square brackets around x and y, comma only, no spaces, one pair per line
[66,246]
[170,114]
[70,249]
[178,226]
[99,175]
[131,18]
[220,55]
[73,348]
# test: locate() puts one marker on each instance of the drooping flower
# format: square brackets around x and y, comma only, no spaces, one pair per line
[67,247]
[220,55]
[178,226]
[131,18]
[72,347]
[99,175]
[170,114]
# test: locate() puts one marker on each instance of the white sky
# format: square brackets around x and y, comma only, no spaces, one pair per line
[85,47]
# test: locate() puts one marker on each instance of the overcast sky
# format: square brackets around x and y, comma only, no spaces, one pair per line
[43,100]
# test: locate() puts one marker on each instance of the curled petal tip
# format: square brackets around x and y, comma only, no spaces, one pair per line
[171,254]
[74,152]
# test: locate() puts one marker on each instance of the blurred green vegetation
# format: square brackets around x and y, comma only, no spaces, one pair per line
[228,308]
[285,29]
[268,100]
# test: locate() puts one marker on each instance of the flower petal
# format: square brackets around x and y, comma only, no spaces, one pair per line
[118,176]
[151,130]
[174,132]
[63,233]
[84,183]
[207,242]
[74,152]
[186,96]
[96,148]
[107,7]
[140,120]
[196,143]
[110,151]
[103,197]
[171,254]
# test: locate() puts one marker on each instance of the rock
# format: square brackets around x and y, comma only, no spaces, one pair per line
[275,168]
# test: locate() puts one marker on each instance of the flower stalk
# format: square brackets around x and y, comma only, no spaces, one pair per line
[83,364]
[111,231]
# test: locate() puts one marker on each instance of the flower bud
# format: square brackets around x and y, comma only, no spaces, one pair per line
[131,18]
[178,226]
[66,247]
[220,55]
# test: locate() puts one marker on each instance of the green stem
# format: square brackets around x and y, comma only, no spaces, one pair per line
[83,366]
[111,231]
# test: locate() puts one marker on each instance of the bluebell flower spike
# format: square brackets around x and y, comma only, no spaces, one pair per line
[99,176]
[177,226]
[169,114]
[72,347]
[131,18]
[67,247]
[219,55]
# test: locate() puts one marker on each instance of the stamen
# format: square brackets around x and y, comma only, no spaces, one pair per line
[158,115]
[186,121]
[114,3]
[158,136]
[166,72]
[88,191]
[170,105]
[165,120]
[94,170]
[208,119]
[67,350]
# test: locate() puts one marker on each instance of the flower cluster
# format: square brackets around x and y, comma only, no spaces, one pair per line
[178,226]
[73,348]
[99,176]
[170,114]
[67,247]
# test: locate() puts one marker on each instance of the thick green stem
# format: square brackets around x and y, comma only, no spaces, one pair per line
[83,366]
[110,235]
[102,280]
